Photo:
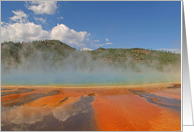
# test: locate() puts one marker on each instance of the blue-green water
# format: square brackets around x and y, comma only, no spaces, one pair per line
[85,77]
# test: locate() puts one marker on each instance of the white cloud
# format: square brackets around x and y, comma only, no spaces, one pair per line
[70,36]
[96,40]
[97,45]
[87,39]
[42,7]
[84,49]
[106,39]
[19,16]
[109,43]
[40,19]
[30,31]
[60,18]
[23,32]
[89,34]
[22,29]
[171,50]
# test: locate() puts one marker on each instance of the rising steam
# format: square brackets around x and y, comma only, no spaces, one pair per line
[80,68]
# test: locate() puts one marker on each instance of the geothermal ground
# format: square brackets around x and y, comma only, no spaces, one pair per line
[151,107]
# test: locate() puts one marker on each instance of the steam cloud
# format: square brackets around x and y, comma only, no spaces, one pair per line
[80,68]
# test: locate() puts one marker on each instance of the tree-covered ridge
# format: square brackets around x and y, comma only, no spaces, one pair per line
[56,51]
[137,55]
[14,52]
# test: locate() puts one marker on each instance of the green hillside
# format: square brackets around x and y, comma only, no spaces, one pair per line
[137,55]
[54,50]
[14,53]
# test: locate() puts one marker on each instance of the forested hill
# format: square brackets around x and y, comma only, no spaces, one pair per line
[14,53]
[55,50]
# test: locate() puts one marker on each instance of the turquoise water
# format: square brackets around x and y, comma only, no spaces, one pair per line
[84,77]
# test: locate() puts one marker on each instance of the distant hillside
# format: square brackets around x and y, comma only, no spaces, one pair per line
[137,55]
[15,53]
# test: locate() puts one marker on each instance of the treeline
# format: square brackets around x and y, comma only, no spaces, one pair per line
[55,50]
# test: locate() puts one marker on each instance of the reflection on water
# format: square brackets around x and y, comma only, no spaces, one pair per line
[83,105]
[23,117]
[162,101]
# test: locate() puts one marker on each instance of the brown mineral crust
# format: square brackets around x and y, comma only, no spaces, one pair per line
[55,100]
[13,96]
[115,108]
[92,94]
[169,93]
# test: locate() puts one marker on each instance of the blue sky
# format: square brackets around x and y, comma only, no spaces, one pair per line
[94,24]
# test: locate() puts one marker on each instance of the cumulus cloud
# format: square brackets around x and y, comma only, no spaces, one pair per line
[96,40]
[87,39]
[171,50]
[106,39]
[84,49]
[70,36]
[40,19]
[19,16]
[23,32]
[60,18]
[42,7]
[30,31]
